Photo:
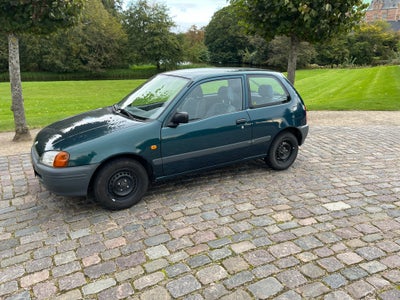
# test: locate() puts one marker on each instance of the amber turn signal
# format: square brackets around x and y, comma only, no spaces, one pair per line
[61,160]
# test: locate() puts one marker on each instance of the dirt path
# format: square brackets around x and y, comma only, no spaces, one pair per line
[317,118]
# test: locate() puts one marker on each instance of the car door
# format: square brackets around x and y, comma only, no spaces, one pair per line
[218,131]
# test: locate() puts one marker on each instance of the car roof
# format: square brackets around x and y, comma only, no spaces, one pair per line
[202,73]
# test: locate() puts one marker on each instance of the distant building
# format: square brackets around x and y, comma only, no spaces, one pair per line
[387,10]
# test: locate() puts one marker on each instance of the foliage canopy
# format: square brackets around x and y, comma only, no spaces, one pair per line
[300,20]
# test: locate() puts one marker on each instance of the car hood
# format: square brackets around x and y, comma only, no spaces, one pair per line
[81,128]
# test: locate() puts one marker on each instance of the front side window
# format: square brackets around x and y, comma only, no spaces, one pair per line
[266,90]
[150,100]
[213,98]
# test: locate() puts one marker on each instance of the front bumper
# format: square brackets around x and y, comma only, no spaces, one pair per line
[70,181]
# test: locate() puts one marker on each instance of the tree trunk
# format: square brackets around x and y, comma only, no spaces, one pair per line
[292,61]
[21,129]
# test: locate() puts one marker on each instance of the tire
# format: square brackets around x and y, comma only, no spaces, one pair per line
[120,184]
[283,151]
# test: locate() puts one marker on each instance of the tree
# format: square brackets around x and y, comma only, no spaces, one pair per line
[96,43]
[194,48]
[373,43]
[299,20]
[333,52]
[35,16]
[225,39]
[150,40]
[279,47]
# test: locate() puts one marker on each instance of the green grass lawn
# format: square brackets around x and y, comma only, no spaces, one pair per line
[46,102]
[375,88]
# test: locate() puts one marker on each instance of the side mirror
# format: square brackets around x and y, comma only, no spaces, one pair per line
[179,118]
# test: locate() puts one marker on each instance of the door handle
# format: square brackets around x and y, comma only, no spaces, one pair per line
[241,121]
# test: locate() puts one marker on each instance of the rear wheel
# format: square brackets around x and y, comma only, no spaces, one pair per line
[283,151]
[120,184]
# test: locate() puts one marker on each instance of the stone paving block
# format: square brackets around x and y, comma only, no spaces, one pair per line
[219,254]
[66,269]
[338,295]
[157,240]
[11,273]
[354,273]
[392,275]
[34,278]
[237,294]
[158,293]
[218,243]
[378,282]
[125,262]
[392,261]
[157,252]
[148,280]
[242,247]
[330,264]
[258,257]
[8,288]
[291,278]
[290,295]
[238,279]
[335,280]
[360,289]
[313,290]
[265,288]
[99,270]
[64,258]
[215,291]
[177,269]
[183,286]
[311,270]
[287,262]
[72,281]
[308,243]
[235,264]
[129,274]
[390,295]
[98,286]
[284,249]
[211,274]
[265,271]
[373,267]
[71,295]
[198,261]
[349,258]
[119,292]
[370,253]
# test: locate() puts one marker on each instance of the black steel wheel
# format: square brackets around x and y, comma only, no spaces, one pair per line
[283,151]
[120,184]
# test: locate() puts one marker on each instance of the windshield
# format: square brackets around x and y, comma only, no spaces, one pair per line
[150,100]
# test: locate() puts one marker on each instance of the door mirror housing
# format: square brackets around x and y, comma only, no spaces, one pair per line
[179,118]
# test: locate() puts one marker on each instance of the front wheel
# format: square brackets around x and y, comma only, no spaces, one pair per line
[120,184]
[283,151]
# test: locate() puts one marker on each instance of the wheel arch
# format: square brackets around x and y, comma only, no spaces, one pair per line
[296,132]
[147,166]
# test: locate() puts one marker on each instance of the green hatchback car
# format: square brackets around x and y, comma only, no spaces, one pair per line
[177,122]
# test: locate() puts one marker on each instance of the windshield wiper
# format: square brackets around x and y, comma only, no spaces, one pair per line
[123,111]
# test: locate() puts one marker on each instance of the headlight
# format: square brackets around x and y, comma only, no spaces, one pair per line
[57,159]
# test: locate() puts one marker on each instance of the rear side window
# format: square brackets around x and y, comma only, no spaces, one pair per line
[265,91]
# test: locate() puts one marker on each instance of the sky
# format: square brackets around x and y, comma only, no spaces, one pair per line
[186,13]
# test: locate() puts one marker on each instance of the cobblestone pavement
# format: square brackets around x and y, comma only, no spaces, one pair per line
[327,228]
